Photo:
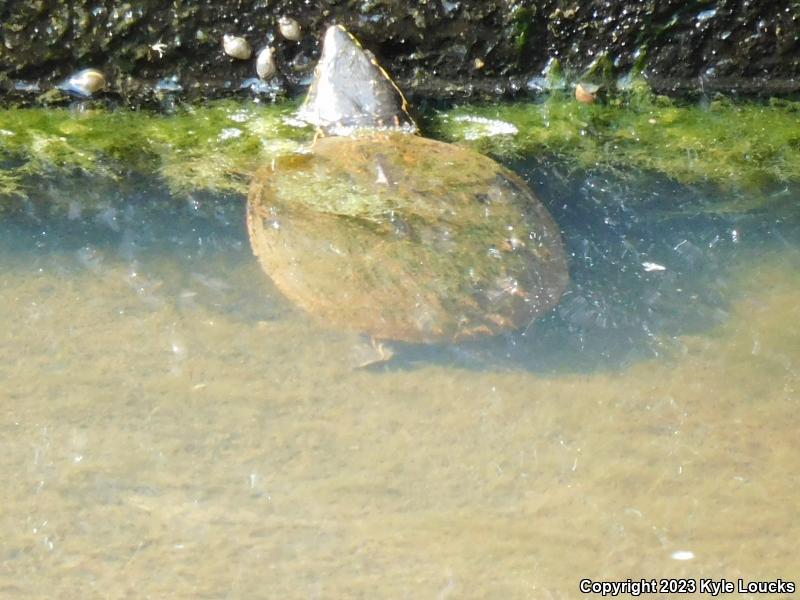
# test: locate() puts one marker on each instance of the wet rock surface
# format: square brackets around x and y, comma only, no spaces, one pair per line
[150,53]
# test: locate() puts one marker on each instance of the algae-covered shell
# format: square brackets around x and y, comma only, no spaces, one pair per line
[391,234]
[405,238]
[236,47]
[84,83]
[265,64]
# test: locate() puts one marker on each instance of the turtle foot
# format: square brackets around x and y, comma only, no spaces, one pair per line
[371,353]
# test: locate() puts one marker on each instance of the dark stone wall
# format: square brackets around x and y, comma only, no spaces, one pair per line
[432,47]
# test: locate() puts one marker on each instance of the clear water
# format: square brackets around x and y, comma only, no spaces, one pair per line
[172,427]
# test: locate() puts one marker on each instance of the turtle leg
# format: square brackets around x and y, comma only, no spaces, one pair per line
[377,352]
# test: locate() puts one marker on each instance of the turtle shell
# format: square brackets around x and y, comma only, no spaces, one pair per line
[405,238]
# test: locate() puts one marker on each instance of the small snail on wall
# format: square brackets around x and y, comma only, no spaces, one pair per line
[236,47]
[265,64]
[84,83]
[290,28]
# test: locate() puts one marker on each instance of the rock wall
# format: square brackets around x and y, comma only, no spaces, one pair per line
[151,51]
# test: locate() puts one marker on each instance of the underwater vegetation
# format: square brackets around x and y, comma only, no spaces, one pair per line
[748,149]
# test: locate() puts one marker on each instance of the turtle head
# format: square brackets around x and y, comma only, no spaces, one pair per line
[351,91]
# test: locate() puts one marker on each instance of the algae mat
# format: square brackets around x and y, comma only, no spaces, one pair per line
[750,149]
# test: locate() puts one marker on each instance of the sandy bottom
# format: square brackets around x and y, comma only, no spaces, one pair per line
[157,445]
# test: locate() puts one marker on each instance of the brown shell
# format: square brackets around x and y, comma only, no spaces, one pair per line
[405,238]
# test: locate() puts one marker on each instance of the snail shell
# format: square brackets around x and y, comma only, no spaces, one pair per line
[586,92]
[84,83]
[290,28]
[265,64]
[236,47]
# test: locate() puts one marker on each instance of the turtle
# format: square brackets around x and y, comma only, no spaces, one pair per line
[379,230]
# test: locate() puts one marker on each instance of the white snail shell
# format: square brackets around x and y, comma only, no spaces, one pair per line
[586,92]
[265,64]
[236,47]
[289,28]
[84,83]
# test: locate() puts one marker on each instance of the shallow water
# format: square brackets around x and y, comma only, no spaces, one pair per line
[173,428]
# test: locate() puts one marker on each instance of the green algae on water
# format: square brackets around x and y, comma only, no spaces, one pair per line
[749,148]
[745,147]
[214,147]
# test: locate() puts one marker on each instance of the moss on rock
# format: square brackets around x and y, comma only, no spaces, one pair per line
[214,147]
[741,147]
[750,148]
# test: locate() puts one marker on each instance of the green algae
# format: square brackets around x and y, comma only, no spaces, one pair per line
[215,147]
[10,184]
[744,147]
[749,149]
